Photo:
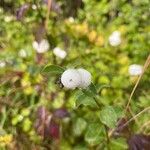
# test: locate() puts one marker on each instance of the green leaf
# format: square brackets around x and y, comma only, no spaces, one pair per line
[108,116]
[88,93]
[82,99]
[92,88]
[103,86]
[53,69]
[79,126]
[81,147]
[118,144]
[94,135]
[119,111]
[26,125]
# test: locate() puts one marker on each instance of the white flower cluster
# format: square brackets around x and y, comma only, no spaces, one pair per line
[71,19]
[73,78]
[2,64]
[135,70]
[59,52]
[34,7]
[8,18]
[41,47]
[22,53]
[115,38]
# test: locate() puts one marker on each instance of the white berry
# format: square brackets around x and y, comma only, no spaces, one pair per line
[85,78]
[135,70]
[59,52]
[71,78]
[41,47]
[115,38]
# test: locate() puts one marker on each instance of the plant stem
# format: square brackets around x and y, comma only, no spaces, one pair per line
[107,137]
[97,102]
[48,13]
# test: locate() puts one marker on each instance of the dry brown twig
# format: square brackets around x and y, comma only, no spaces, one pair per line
[147,63]
[145,125]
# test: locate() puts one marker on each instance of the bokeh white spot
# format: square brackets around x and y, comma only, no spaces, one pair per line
[115,38]
[135,70]
[41,47]
[59,52]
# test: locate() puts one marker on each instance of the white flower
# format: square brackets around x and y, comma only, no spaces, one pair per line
[115,38]
[71,19]
[34,7]
[135,70]
[8,18]
[22,53]
[71,78]
[59,52]
[1,10]
[85,78]
[2,64]
[41,47]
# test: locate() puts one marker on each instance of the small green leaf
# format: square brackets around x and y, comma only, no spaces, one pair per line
[79,126]
[88,93]
[93,135]
[53,69]
[81,147]
[119,111]
[103,86]
[108,116]
[82,99]
[119,144]
[92,88]
[26,125]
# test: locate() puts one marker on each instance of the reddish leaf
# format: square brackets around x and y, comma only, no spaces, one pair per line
[21,11]
[139,142]
[40,123]
[42,113]
[45,125]
[54,130]
[122,129]
[61,113]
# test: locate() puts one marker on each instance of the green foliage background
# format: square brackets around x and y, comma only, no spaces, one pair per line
[24,88]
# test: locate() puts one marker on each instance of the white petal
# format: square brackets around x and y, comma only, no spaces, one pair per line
[71,78]
[85,78]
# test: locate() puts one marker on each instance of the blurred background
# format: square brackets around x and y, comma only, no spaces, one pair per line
[109,38]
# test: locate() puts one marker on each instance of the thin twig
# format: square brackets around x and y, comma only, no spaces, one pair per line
[137,115]
[144,125]
[132,114]
[147,63]
[130,120]
[48,13]
[144,68]
[97,102]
